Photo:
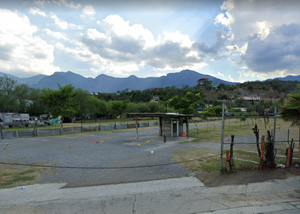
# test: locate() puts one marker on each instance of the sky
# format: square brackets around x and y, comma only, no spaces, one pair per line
[234,40]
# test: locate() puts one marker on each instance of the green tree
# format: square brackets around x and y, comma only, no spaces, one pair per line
[61,102]
[291,108]
[13,96]
[117,108]
[35,106]
[186,105]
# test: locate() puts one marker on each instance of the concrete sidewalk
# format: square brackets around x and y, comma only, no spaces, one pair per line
[178,195]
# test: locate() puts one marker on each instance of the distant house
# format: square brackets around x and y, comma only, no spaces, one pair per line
[215,85]
[251,99]
[202,80]
[155,98]
[209,105]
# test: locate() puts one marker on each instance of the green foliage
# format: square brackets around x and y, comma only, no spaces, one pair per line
[276,85]
[186,105]
[116,108]
[291,108]
[61,102]
[13,96]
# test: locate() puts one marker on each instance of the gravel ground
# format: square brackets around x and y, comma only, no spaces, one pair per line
[122,150]
[80,151]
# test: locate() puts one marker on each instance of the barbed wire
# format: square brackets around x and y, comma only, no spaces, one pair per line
[108,167]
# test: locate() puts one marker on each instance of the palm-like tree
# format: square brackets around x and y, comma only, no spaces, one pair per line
[291,108]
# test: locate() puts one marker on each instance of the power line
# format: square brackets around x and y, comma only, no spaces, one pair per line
[112,167]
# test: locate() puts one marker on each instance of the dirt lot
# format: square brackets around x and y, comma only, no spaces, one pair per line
[246,176]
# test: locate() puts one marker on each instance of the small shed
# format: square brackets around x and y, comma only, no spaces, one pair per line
[170,124]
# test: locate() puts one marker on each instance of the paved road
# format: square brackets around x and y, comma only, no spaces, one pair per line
[176,196]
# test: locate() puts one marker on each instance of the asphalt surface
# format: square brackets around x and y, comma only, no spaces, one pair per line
[119,150]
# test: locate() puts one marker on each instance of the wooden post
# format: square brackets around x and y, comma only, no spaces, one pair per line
[262,152]
[171,127]
[136,127]
[187,128]
[160,126]
[231,162]
[288,158]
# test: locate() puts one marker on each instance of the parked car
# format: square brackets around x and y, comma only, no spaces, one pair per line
[47,122]
[40,123]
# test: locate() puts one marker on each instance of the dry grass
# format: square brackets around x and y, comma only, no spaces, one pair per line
[12,177]
[244,157]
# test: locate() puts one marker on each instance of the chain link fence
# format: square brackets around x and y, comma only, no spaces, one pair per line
[242,142]
[37,131]
[84,155]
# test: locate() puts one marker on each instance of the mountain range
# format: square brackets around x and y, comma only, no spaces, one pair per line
[105,83]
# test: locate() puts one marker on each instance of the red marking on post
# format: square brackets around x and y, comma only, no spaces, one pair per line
[288,158]
[227,156]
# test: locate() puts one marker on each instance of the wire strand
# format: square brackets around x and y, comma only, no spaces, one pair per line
[116,167]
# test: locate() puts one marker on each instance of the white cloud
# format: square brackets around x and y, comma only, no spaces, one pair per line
[41,3]
[36,11]
[63,24]
[57,35]
[230,79]
[115,25]
[60,23]
[20,50]
[67,4]
[220,74]
[159,74]
[89,10]
[264,34]
[122,47]
[224,19]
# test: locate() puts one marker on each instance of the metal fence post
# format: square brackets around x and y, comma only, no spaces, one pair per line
[1,134]
[222,137]
[274,132]
[299,147]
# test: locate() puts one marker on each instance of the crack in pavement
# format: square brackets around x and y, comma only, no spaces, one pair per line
[133,206]
[209,199]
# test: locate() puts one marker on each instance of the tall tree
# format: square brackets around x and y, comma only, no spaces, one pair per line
[186,105]
[13,96]
[61,102]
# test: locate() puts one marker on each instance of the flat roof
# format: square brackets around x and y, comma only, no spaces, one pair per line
[160,115]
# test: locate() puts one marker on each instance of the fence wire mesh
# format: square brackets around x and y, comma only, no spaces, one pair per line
[245,149]
[84,155]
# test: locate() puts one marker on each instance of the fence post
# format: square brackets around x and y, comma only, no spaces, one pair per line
[34,130]
[231,163]
[1,135]
[222,137]
[274,131]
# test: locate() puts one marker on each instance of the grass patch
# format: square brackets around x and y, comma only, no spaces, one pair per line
[238,128]
[210,163]
[11,177]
